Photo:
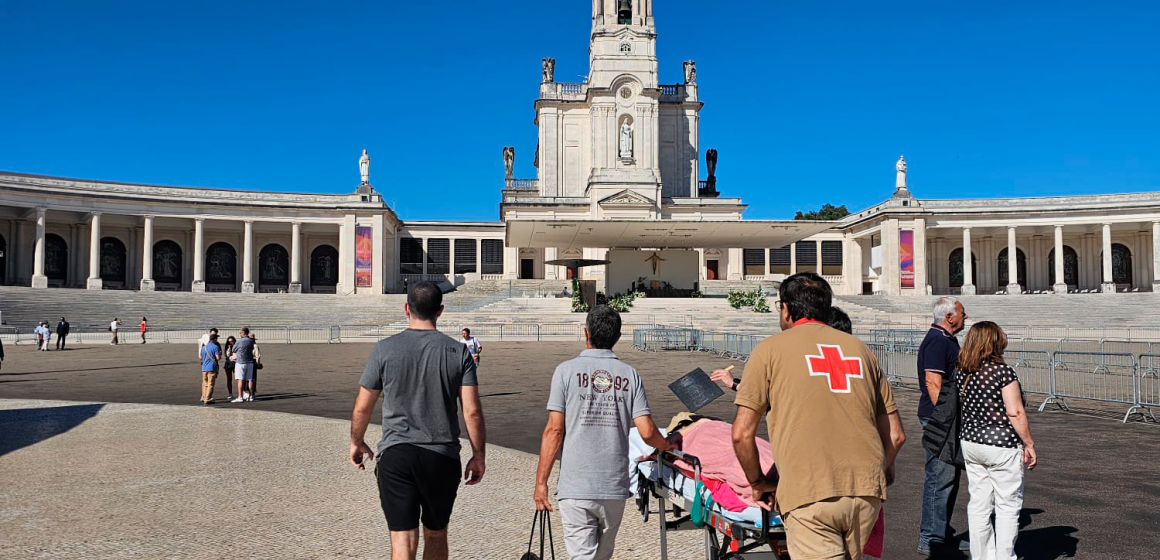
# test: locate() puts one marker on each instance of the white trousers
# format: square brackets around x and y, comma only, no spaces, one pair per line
[590,527]
[995,480]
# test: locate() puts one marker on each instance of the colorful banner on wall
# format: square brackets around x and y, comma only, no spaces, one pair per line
[363,256]
[906,257]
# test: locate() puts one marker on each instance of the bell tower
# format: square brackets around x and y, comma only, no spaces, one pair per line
[623,42]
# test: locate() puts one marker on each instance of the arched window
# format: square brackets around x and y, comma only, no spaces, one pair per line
[1070,267]
[167,262]
[221,264]
[1121,264]
[273,267]
[113,259]
[55,257]
[323,266]
[1021,262]
[955,264]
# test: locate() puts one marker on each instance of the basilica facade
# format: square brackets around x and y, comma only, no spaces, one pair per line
[617,199]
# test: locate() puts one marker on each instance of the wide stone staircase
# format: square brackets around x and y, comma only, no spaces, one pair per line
[1045,310]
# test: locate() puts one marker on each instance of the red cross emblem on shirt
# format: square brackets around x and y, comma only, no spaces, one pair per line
[834,366]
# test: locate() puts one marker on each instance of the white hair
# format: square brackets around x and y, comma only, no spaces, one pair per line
[944,306]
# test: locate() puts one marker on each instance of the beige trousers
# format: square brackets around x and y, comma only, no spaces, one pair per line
[833,529]
[207,380]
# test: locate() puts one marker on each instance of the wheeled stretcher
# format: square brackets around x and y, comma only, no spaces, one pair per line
[742,535]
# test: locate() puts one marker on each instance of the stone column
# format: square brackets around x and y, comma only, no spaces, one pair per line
[1156,256]
[1109,285]
[346,244]
[94,280]
[378,254]
[818,256]
[198,255]
[891,283]
[1060,286]
[147,256]
[511,262]
[39,280]
[424,259]
[765,252]
[248,258]
[551,271]
[793,258]
[1012,263]
[296,258]
[968,265]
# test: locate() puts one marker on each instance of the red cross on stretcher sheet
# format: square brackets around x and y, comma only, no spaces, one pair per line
[837,368]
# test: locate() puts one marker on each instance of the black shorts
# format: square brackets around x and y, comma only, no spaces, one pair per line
[416,482]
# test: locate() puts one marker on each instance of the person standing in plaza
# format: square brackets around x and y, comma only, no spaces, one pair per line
[593,431]
[245,356]
[422,375]
[144,322]
[937,356]
[40,334]
[201,342]
[257,367]
[229,364]
[113,326]
[472,344]
[831,475]
[997,444]
[210,354]
[61,333]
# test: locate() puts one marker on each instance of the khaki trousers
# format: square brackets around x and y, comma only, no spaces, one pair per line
[833,529]
[207,380]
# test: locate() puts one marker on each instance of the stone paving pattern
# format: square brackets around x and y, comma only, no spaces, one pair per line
[149,481]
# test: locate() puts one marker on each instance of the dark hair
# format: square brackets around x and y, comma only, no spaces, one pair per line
[425,299]
[245,330]
[807,296]
[213,330]
[839,320]
[467,330]
[144,319]
[603,327]
[228,339]
[213,338]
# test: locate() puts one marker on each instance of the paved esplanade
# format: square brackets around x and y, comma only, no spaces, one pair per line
[162,481]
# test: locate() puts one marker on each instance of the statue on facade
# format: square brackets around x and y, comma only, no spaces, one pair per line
[548,67]
[626,139]
[509,161]
[711,162]
[690,72]
[900,182]
[364,168]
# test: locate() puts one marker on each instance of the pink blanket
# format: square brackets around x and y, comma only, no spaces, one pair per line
[711,441]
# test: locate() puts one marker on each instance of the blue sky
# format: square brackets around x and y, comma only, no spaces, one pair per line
[807,102]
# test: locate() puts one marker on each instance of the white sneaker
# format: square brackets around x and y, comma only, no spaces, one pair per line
[239,399]
[248,397]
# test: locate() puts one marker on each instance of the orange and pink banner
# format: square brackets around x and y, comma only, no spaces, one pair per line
[906,257]
[363,256]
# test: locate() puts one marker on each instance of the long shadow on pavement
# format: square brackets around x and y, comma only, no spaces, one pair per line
[1044,543]
[97,369]
[27,426]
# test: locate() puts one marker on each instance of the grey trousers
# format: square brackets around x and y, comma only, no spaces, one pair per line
[590,527]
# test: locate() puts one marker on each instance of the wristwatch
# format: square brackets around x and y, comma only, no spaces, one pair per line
[736,384]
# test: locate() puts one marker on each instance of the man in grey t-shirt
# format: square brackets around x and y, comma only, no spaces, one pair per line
[595,400]
[422,375]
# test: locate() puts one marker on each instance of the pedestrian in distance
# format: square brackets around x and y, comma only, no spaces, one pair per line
[593,433]
[257,367]
[40,332]
[228,364]
[210,354]
[47,336]
[62,329]
[472,344]
[144,322]
[937,356]
[830,478]
[996,441]
[113,326]
[245,356]
[422,375]
[201,342]
[1,353]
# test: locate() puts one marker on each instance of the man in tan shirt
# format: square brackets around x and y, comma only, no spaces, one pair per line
[833,426]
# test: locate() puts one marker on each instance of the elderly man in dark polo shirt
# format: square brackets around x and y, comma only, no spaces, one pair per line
[937,357]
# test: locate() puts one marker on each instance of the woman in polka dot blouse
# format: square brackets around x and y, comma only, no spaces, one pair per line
[997,443]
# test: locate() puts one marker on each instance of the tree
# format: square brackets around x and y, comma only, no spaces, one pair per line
[827,212]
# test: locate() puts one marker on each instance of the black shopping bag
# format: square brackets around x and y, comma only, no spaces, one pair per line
[542,521]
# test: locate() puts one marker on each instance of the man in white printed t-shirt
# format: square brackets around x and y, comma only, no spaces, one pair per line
[205,340]
[113,329]
[472,344]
